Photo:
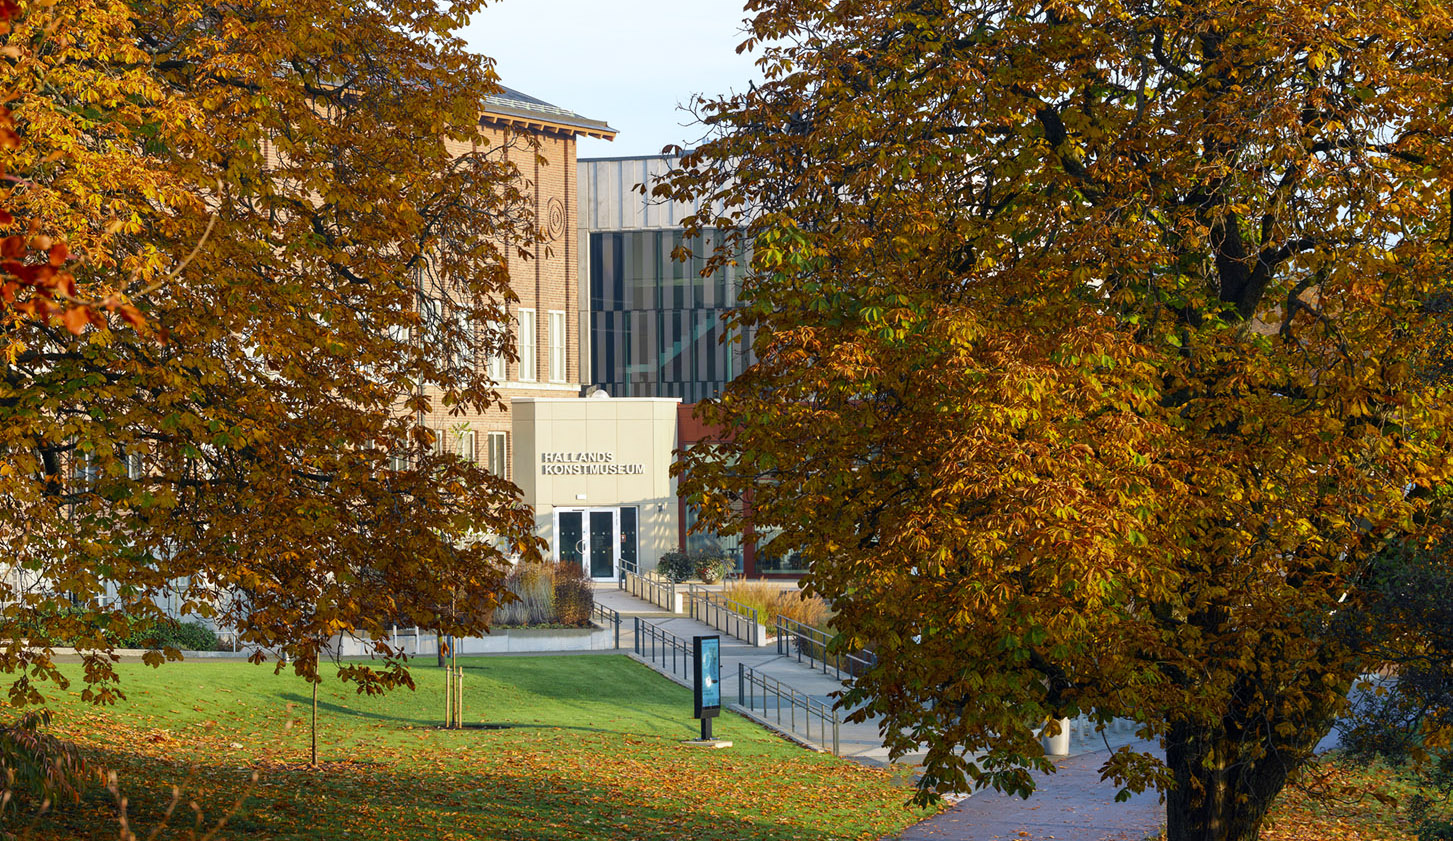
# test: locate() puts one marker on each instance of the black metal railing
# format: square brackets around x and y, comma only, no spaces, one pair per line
[794,712]
[810,646]
[664,649]
[724,614]
[609,619]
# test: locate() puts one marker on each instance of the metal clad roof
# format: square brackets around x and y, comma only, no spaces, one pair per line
[512,103]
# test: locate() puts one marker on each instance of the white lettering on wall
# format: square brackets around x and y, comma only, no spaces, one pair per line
[587,464]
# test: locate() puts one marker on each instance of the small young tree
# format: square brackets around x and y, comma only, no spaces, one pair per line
[1090,338]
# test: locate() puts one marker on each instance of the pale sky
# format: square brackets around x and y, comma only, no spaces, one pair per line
[627,62]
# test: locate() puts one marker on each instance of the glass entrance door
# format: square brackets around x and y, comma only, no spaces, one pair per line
[590,538]
[570,538]
[602,544]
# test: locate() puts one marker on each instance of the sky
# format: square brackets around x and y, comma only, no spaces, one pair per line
[628,62]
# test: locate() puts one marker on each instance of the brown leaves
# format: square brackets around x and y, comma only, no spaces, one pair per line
[203,257]
[1092,385]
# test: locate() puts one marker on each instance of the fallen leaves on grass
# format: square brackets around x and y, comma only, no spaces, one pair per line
[388,777]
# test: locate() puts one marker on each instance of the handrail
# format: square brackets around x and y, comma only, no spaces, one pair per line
[724,614]
[749,681]
[650,587]
[654,644]
[610,618]
[806,642]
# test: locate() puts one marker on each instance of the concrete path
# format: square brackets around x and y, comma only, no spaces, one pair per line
[1069,805]
[860,742]
[855,741]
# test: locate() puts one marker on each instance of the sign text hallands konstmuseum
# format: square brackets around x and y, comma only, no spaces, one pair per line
[587,464]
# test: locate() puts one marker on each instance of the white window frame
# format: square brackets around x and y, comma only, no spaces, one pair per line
[497,454]
[467,450]
[499,370]
[529,370]
[85,469]
[465,357]
[557,346]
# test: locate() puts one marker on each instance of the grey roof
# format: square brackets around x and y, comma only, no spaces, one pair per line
[512,103]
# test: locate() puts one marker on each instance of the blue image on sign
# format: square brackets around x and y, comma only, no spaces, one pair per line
[708,676]
[711,674]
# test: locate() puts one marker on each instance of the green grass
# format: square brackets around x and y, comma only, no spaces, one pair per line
[593,751]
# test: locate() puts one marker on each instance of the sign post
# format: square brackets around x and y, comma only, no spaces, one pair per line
[706,689]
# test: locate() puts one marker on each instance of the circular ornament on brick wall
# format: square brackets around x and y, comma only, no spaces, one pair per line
[555,218]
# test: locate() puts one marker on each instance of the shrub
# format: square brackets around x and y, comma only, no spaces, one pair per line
[188,636]
[676,566]
[574,600]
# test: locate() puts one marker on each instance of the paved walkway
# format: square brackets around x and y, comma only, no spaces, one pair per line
[859,742]
[1069,805]
[855,741]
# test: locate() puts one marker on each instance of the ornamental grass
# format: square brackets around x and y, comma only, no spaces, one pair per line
[546,594]
[771,601]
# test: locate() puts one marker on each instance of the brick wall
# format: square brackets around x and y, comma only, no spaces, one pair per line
[549,282]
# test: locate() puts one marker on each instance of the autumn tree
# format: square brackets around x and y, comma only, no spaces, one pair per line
[282,225]
[1093,345]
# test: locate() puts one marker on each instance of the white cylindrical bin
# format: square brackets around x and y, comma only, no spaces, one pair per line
[1058,744]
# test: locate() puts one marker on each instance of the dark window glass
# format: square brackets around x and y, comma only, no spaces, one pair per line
[602,544]
[628,538]
[569,545]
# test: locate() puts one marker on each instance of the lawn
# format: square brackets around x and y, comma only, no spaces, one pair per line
[593,750]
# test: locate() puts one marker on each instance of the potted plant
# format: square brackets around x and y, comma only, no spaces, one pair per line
[713,568]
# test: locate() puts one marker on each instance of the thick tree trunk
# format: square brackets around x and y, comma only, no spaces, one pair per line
[1222,791]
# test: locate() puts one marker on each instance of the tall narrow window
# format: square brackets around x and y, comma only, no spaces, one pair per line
[466,445]
[528,372]
[464,357]
[85,468]
[498,372]
[134,466]
[430,314]
[498,452]
[557,346]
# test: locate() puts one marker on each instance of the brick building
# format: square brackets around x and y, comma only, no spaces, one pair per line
[547,322]
[595,471]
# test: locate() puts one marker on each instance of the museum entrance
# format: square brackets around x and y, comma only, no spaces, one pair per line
[601,541]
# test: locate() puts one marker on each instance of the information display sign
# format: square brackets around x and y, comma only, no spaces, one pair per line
[708,677]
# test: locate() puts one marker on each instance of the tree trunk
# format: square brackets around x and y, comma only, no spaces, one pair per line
[1222,791]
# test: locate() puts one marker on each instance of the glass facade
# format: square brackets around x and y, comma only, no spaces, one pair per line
[716,544]
[655,323]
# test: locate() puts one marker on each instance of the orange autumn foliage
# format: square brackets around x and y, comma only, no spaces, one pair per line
[1096,362]
[219,222]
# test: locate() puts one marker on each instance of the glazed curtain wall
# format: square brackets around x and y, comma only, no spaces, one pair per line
[656,323]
